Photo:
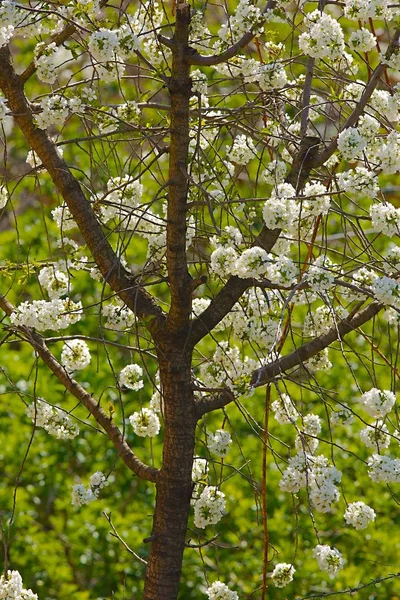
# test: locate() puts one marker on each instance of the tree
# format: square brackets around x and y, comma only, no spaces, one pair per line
[261,245]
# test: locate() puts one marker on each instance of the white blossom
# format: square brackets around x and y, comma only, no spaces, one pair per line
[42,315]
[75,355]
[53,420]
[131,377]
[218,443]
[145,423]
[11,588]
[351,143]
[282,574]
[362,40]
[329,559]
[209,507]
[378,403]
[220,591]
[324,36]
[359,514]
[384,468]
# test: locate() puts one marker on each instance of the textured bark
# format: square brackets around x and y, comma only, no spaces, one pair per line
[180,91]
[174,481]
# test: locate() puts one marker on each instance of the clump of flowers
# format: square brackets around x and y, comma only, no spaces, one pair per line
[54,281]
[11,587]
[220,591]
[145,423]
[359,514]
[282,574]
[324,36]
[209,507]
[131,377]
[218,443]
[285,410]
[52,419]
[118,317]
[75,355]
[329,559]
[378,403]
[42,315]
[84,495]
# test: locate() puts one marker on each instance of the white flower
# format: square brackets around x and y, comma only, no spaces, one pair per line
[55,110]
[351,143]
[145,423]
[252,263]
[242,151]
[324,37]
[3,196]
[42,315]
[223,261]
[359,514]
[131,377]
[103,45]
[378,403]
[54,281]
[209,507]
[45,62]
[220,591]
[376,436]
[62,216]
[4,110]
[384,468]
[274,173]
[199,469]
[75,355]
[52,419]
[11,587]
[118,317]
[285,410]
[282,574]
[218,443]
[329,559]
[82,495]
[385,218]
[362,40]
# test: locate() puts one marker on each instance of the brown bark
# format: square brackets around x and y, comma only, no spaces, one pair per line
[174,481]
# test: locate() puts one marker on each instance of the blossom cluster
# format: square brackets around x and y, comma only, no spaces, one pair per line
[218,443]
[75,355]
[53,420]
[131,377]
[317,475]
[220,591]
[84,495]
[209,507]
[329,559]
[56,314]
[11,587]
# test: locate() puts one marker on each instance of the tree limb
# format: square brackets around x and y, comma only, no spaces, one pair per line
[122,282]
[124,451]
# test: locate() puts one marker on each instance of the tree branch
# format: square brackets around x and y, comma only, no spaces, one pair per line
[124,451]
[224,301]
[180,92]
[366,95]
[195,58]
[122,282]
[277,368]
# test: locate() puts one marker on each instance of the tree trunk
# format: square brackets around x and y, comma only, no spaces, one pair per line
[174,482]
